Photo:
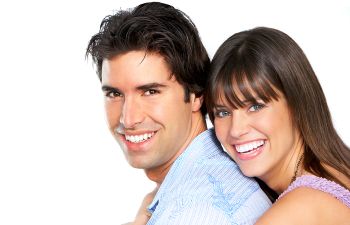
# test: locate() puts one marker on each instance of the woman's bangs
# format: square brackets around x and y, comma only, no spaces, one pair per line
[238,89]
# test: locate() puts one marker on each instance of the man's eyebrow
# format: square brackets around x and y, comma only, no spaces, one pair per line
[146,87]
[109,88]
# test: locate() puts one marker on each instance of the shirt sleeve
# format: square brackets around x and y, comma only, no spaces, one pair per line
[195,213]
[253,207]
[190,212]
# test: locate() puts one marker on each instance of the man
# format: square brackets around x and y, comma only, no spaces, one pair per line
[153,69]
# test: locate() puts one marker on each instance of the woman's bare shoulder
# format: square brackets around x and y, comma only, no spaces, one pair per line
[306,206]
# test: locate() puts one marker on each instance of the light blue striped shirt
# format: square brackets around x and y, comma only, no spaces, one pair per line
[204,186]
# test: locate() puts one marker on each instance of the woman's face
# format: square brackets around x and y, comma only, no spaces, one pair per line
[260,138]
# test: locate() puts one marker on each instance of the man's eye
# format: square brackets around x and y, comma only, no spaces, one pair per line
[151,92]
[113,94]
[221,114]
[256,107]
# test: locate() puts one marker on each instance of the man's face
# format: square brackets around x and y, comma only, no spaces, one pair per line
[145,109]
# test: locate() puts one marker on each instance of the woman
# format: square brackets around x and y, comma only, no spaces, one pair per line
[271,115]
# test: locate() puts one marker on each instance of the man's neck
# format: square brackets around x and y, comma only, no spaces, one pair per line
[158,174]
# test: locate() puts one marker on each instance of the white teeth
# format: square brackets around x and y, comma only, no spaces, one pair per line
[139,138]
[249,146]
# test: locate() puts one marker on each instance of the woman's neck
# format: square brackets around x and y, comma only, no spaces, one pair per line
[288,172]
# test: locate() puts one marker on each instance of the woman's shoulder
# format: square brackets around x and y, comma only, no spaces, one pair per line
[321,184]
[306,205]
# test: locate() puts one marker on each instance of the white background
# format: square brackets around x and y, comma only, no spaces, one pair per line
[58,162]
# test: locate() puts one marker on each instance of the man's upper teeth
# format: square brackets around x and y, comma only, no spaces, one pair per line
[249,146]
[138,138]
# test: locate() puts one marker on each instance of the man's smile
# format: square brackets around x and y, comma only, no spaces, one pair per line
[139,138]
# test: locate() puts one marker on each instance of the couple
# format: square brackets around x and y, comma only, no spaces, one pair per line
[268,110]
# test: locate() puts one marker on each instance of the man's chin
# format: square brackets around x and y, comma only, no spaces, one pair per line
[137,164]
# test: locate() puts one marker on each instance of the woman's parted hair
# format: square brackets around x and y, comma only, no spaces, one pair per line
[155,28]
[262,60]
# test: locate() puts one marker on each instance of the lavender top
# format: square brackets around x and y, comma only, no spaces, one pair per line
[321,184]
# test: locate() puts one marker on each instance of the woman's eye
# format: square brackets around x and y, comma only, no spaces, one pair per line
[221,114]
[256,107]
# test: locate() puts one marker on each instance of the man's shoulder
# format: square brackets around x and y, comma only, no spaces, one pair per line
[186,211]
[210,202]
[206,181]
[206,146]
[212,175]
[206,168]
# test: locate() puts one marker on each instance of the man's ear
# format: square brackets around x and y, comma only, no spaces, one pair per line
[196,102]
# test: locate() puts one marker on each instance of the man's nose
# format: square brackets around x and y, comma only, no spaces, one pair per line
[132,113]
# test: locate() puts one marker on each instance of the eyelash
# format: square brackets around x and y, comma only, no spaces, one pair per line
[150,92]
[218,113]
[113,94]
[253,108]
[257,106]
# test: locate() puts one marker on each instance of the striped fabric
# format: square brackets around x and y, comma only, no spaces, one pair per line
[204,186]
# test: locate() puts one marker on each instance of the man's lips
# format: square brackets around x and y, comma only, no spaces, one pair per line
[137,142]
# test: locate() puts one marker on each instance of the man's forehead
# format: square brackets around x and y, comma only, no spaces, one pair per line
[137,68]
[137,81]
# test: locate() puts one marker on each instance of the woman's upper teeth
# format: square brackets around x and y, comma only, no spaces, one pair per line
[249,146]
